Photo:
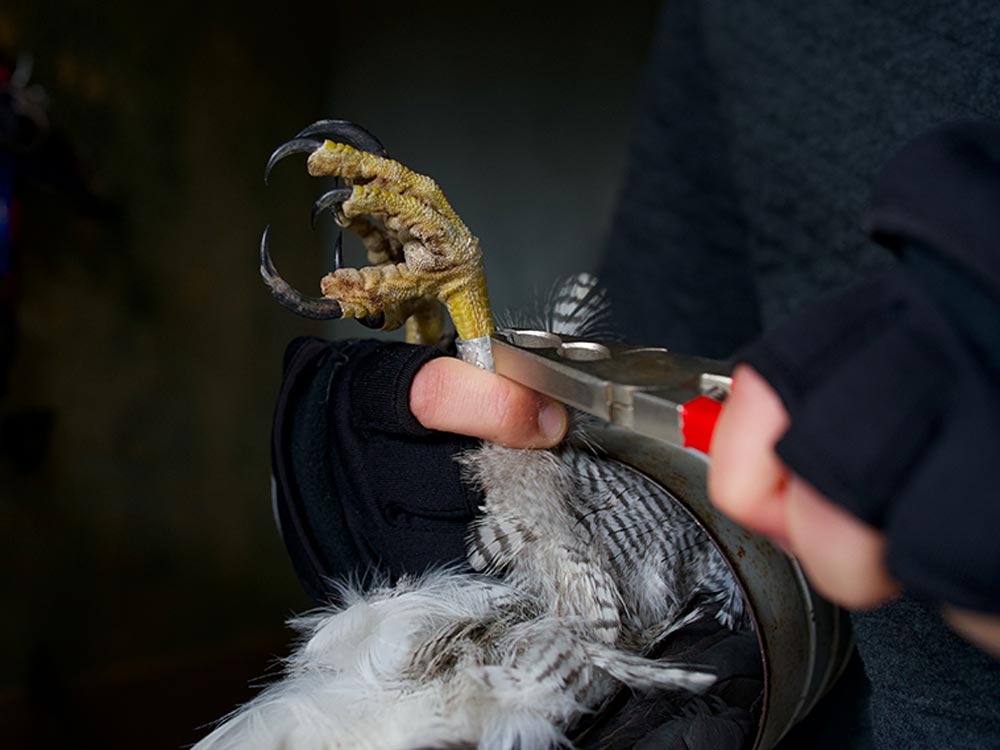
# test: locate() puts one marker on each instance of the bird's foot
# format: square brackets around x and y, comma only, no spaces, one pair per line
[420,251]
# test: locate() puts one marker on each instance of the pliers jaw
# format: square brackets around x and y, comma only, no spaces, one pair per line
[671,397]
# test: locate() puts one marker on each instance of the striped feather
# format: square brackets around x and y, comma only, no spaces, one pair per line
[583,567]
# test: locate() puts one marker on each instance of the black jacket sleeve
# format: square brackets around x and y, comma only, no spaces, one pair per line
[361,489]
[893,387]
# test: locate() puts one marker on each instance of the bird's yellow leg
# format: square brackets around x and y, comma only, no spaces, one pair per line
[426,324]
[421,253]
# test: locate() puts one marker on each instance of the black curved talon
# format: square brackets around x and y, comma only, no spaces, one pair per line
[332,199]
[338,251]
[375,321]
[305,142]
[345,131]
[294,146]
[315,308]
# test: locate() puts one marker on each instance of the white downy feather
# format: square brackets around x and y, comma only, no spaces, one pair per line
[584,565]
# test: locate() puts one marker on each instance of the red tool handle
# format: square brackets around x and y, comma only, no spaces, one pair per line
[698,418]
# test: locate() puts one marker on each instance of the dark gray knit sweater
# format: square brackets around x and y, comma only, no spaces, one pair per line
[762,127]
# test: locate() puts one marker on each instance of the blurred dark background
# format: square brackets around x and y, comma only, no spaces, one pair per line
[144,588]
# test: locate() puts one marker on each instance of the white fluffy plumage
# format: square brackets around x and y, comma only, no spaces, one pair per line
[582,564]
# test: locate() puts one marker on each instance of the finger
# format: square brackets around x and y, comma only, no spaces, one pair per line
[981,628]
[454,396]
[843,557]
[745,476]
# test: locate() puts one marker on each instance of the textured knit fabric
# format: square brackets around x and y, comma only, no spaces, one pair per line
[931,688]
[903,366]
[360,487]
[762,127]
[941,191]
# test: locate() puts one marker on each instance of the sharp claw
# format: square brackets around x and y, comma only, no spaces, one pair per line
[344,131]
[338,251]
[316,308]
[305,142]
[373,321]
[331,199]
[294,146]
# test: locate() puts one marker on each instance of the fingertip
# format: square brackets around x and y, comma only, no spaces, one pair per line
[553,421]
[518,417]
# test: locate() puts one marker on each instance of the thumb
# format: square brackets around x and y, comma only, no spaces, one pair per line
[453,396]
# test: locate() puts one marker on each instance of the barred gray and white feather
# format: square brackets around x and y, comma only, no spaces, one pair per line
[574,306]
[583,566]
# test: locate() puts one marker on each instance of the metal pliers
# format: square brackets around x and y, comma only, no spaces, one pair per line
[671,397]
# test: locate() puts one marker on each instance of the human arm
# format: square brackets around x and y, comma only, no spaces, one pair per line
[887,403]
[885,399]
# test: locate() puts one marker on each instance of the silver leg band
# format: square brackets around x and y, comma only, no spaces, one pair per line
[478,352]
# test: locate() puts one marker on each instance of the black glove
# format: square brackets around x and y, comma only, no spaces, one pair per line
[893,387]
[359,484]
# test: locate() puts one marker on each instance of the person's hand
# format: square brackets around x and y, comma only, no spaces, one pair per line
[842,556]
[450,395]
[747,480]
